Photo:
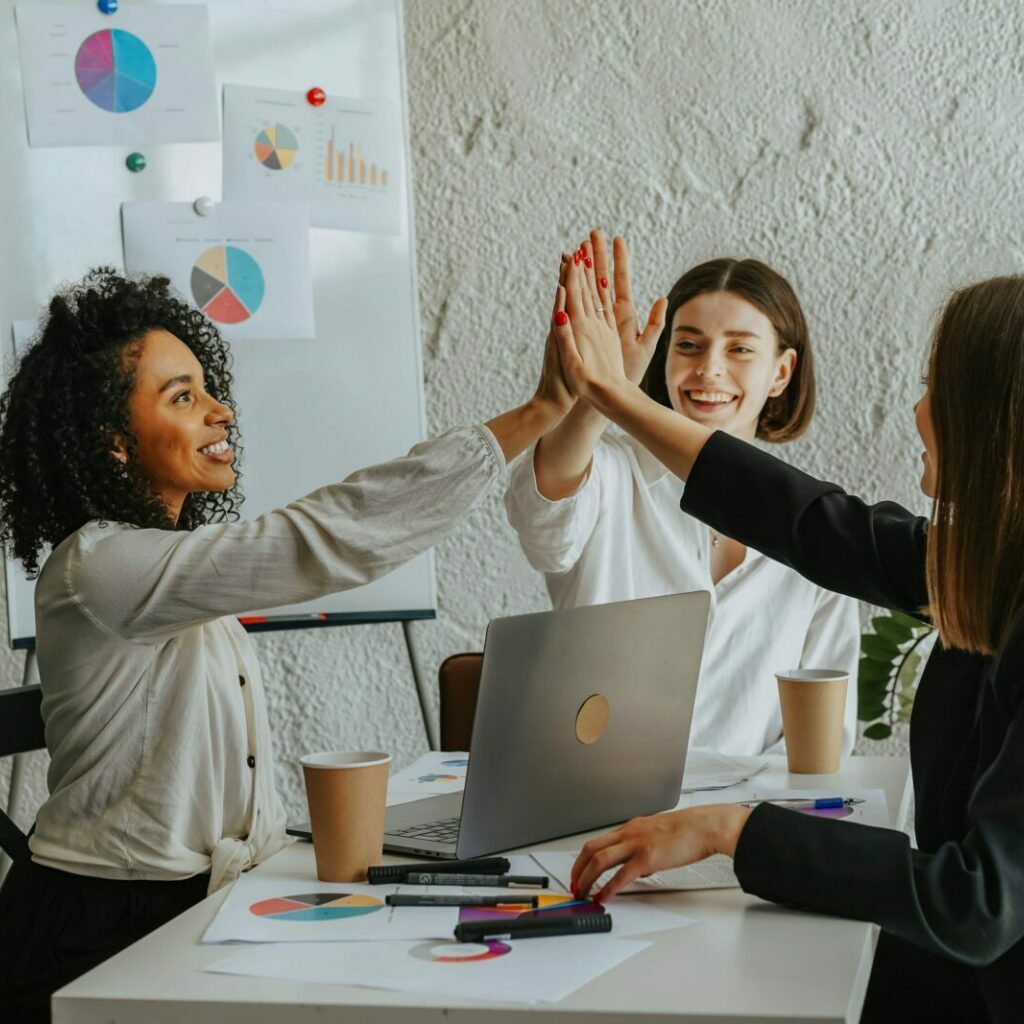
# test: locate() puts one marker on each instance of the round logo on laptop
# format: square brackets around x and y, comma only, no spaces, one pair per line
[592,718]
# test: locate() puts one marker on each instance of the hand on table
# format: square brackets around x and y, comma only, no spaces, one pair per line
[646,845]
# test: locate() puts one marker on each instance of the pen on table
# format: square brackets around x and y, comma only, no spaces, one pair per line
[460,900]
[381,873]
[498,881]
[823,803]
[545,926]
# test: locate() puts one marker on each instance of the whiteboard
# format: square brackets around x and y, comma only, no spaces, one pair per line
[310,411]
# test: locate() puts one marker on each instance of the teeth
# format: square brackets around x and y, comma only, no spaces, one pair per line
[214,449]
[718,397]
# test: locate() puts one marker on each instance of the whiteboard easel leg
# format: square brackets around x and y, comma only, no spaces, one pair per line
[421,693]
[17,764]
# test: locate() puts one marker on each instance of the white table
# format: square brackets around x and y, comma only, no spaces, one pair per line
[745,961]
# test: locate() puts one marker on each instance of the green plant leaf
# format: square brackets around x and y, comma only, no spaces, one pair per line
[904,713]
[874,670]
[892,630]
[907,676]
[868,712]
[878,731]
[912,623]
[874,646]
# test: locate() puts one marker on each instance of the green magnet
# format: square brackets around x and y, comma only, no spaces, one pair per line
[136,162]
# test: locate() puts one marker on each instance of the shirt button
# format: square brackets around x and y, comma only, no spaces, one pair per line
[251,761]
[241,680]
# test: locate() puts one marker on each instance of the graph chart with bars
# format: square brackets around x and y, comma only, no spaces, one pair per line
[347,165]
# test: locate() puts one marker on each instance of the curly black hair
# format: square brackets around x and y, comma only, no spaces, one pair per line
[68,401]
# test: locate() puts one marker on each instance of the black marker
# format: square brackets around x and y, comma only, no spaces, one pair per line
[546,925]
[497,881]
[461,900]
[399,872]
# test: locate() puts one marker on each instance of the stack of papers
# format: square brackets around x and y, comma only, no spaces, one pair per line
[709,770]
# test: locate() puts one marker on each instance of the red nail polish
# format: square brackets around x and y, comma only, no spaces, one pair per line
[589,262]
[604,282]
[561,319]
[576,257]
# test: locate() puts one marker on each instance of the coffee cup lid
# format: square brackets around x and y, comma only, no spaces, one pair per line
[345,759]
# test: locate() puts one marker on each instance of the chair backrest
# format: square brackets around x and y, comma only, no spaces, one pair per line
[21,730]
[458,681]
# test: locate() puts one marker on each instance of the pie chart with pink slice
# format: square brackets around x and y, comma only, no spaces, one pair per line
[115,70]
[227,284]
[316,906]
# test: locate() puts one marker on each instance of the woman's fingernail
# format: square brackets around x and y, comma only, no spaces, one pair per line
[576,257]
[604,282]
[561,319]
[589,262]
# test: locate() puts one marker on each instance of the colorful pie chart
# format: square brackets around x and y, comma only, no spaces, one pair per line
[115,70]
[275,147]
[227,284]
[459,952]
[316,906]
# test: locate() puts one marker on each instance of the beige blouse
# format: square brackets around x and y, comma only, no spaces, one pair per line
[156,721]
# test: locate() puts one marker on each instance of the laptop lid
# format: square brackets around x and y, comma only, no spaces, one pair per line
[582,721]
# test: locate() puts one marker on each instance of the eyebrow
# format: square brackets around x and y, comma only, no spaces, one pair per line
[183,378]
[729,334]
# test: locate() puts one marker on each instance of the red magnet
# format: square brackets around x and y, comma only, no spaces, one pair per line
[317,97]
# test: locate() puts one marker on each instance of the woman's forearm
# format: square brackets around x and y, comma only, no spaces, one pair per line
[519,428]
[672,439]
[562,458]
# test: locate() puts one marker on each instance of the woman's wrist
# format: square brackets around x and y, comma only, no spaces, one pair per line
[519,428]
[730,827]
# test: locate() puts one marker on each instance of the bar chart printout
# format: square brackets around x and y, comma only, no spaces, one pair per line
[344,158]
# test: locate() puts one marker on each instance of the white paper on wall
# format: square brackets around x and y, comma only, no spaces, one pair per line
[141,75]
[245,265]
[343,157]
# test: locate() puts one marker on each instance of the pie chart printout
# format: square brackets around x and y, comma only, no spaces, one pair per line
[115,70]
[275,147]
[227,284]
[316,906]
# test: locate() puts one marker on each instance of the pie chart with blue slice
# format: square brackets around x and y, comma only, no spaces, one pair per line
[316,906]
[115,70]
[227,284]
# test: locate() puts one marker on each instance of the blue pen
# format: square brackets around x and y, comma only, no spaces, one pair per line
[824,803]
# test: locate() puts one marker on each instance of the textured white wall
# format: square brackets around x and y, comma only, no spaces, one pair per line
[870,151]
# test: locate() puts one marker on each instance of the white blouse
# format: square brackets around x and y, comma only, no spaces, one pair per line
[156,721]
[622,535]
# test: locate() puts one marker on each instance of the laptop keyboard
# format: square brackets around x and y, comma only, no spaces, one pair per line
[444,831]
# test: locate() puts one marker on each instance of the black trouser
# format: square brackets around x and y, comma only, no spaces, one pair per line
[55,926]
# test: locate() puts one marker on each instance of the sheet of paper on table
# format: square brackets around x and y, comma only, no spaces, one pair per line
[439,771]
[526,971]
[713,873]
[708,770]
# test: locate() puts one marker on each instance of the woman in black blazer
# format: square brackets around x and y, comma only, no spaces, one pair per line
[952,910]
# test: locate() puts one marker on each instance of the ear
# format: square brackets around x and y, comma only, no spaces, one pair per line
[783,372]
[117,449]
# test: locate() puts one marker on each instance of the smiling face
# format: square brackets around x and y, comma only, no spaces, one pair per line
[180,430]
[723,363]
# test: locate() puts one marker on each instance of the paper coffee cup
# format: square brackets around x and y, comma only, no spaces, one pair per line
[347,794]
[813,704]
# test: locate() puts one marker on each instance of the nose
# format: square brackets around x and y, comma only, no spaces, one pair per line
[219,414]
[709,366]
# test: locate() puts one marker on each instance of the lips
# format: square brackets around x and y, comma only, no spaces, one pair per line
[710,400]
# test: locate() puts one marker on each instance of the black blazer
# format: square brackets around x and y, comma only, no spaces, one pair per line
[960,895]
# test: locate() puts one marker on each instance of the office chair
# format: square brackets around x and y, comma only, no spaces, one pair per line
[458,681]
[21,730]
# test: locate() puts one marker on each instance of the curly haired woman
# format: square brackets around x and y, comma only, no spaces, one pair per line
[117,444]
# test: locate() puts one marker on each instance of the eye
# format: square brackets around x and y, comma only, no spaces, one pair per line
[182,397]
[684,345]
[743,350]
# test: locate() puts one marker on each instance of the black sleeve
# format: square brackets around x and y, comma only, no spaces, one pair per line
[964,900]
[875,553]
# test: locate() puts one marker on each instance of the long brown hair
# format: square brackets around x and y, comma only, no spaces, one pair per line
[975,559]
[785,416]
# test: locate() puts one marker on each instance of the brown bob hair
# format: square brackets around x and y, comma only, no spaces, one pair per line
[785,416]
[975,554]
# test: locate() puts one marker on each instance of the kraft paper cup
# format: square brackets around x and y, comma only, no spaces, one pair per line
[347,794]
[813,702]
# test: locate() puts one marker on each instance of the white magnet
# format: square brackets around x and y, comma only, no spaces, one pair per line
[204,206]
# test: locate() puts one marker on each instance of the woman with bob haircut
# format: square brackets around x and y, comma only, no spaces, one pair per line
[952,910]
[599,515]
[117,445]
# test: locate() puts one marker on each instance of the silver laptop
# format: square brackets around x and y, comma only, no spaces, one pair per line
[582,721]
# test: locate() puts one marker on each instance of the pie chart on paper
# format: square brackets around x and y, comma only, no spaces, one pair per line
[316,906]
[115,70]
[275,147]
[227,284]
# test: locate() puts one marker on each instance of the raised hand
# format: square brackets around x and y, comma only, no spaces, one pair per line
[553,390]
[637,347]
[646,845]
[584,328]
